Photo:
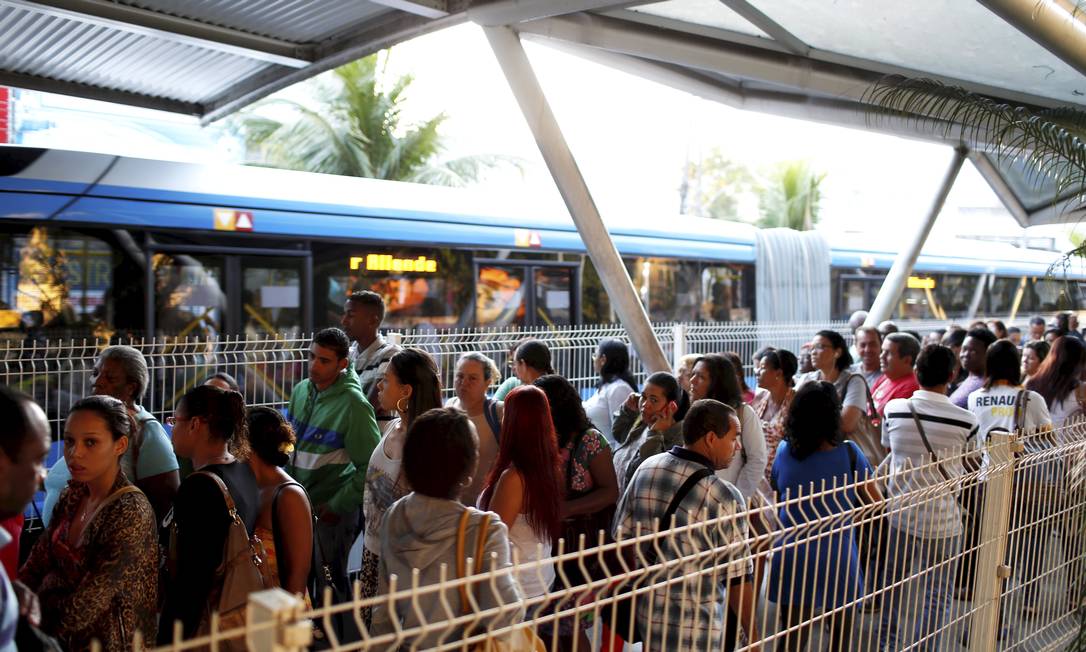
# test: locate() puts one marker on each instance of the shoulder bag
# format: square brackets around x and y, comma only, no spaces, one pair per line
[868,432]
[237,576]
[521,639]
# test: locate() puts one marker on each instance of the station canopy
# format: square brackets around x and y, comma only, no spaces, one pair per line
[798,58]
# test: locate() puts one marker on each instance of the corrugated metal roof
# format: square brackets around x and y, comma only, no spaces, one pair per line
[811,60]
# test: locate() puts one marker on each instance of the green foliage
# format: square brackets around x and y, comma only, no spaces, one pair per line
[792,197]
[715,186]
[354,128]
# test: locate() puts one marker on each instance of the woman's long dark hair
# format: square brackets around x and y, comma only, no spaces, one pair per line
[224,411]
[617,365]
[528,444]
[567,412]
[1059,373]
[784,361]
[723,381]
[814,417]
[416,368]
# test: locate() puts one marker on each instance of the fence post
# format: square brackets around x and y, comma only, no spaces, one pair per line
[289,633]
[991,551]
[678,334]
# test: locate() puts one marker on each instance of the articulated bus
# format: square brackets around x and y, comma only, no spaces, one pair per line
[102,245]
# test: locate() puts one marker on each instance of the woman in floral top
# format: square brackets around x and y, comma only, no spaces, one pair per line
[590,484]
[775,371]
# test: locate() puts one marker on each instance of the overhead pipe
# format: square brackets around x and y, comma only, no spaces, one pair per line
[1058,26]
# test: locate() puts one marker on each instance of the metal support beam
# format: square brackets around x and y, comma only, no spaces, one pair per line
[427,8]
[1000,187]
[510,12]
[571,184]
[1058,26]
[756,17]
[171,28]
[883,307]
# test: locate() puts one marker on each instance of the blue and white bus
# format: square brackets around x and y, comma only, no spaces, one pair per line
[100,244]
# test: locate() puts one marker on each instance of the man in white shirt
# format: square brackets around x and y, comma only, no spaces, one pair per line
[370,351]
[24,445]
[927,436]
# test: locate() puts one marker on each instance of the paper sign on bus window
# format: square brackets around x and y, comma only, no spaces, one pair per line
[279,296]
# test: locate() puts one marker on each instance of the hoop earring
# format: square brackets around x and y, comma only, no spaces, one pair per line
[403,399]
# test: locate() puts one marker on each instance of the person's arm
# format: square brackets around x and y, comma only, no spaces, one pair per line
[296,529]
[606,487]
[753,440]
[128,529]
[741,602]
[361,438]
[851,412]
[616,398]
[40,560]
[502,589]
[508,497]
[623,421]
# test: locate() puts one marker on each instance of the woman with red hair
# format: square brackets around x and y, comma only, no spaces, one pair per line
[525,484]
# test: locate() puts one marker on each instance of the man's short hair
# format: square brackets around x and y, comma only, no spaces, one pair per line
[439,452]
[370,299]
[705,416]
[907,345]
[334,339]
[954,337]
[869,329]
[17,424]
[982,334]
[1037,320]
[1012,330]
[935,365]
[133,365]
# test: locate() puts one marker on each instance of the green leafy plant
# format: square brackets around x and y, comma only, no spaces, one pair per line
[353,127]
[792,197]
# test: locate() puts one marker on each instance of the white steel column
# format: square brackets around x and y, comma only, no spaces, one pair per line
[883,307]
[571,184]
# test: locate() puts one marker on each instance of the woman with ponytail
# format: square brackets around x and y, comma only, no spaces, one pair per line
[209,428]
[285,522]
[525,485]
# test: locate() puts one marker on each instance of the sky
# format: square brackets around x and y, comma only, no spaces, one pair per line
[631,139]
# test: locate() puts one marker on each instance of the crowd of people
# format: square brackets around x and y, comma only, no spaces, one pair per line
[153,526]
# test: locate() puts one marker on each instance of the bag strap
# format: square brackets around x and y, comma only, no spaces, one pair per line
[1020,403]
[275,513]
[490,411]
[127,489]
[680,495]
[852,460]
[461,559]
[927,444]
[742,432]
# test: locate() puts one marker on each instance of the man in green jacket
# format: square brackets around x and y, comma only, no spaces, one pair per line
[336,432]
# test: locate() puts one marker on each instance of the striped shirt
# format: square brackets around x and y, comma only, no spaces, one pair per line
[370,365]
[950,430]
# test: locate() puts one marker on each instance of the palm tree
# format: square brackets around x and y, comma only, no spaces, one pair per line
[354,129]
[1049,143]
[792,198]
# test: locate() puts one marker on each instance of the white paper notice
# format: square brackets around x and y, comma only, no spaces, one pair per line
[279,296]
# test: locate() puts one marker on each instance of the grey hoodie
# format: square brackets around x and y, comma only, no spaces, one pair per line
[420,532]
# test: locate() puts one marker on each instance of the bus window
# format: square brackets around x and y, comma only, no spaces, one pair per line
[723,293]
[57,281]
[271,296]
[500,296]
[668,288]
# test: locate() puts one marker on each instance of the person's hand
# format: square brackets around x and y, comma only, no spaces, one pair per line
[328,517]
[666,418]
[29,606]
[632,402]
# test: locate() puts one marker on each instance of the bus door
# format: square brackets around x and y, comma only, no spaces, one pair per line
[210,291]
[526,293]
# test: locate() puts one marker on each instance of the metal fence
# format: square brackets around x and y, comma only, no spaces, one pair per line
[59,372]
[830,561]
